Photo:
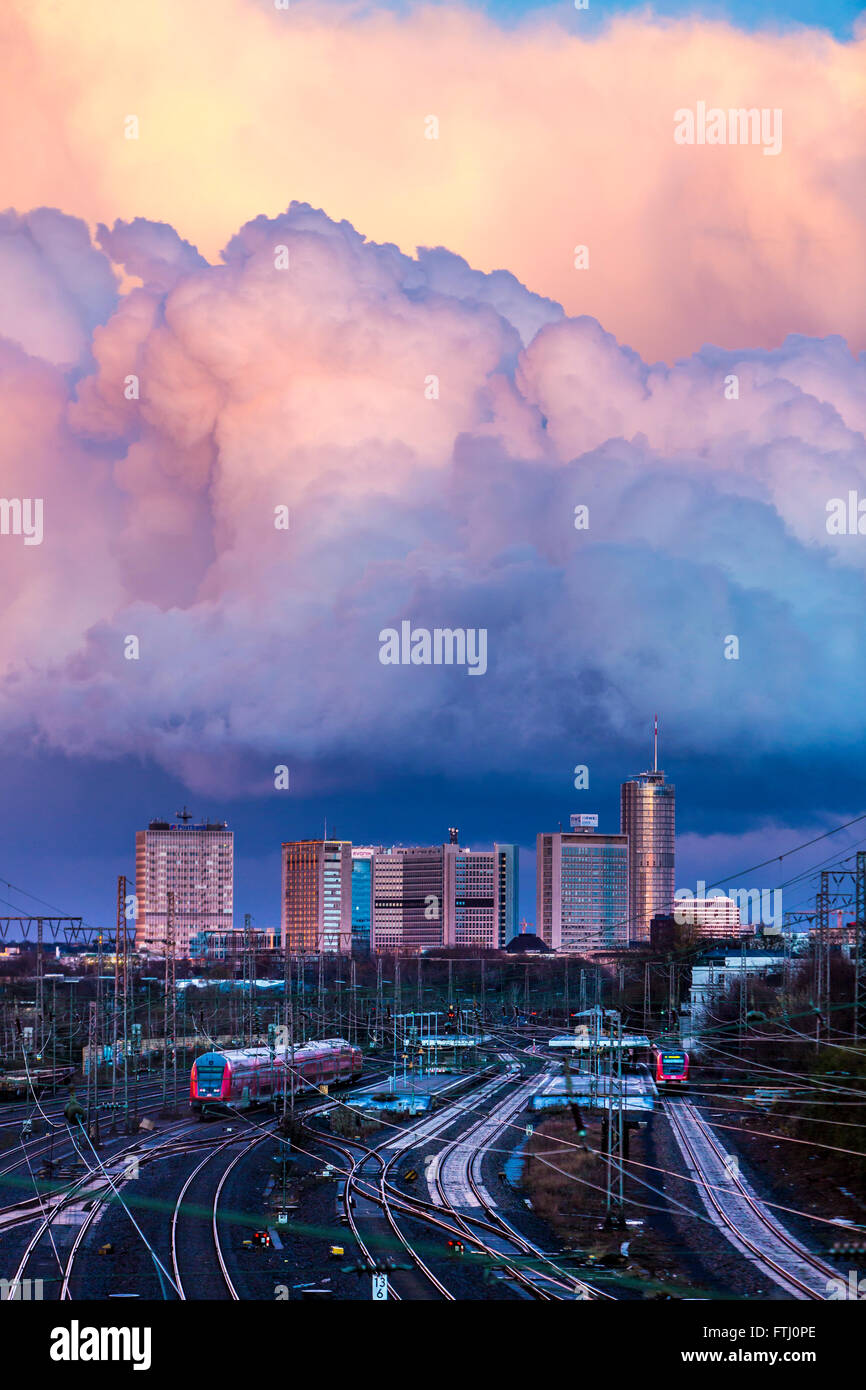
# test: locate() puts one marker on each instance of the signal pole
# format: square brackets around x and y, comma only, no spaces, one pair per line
[40,1002]
[378,1026]
[121,902]
[169,1004]
[859,939]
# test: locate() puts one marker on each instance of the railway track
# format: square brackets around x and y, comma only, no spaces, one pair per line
[445,1216]
[374,1186]
[745,1220]
[464,1155]
[209,1158]
[96,1186]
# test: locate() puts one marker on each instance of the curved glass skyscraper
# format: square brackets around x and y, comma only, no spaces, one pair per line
[647,817]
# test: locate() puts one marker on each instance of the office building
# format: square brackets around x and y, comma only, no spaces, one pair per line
[711,917]
[362,895]
[582,890]
[444,895]
[195,862]
[408,893]
[316,914]
[647,818]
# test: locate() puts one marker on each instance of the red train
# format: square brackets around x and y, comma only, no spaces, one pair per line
[671,1069]
[222,1081]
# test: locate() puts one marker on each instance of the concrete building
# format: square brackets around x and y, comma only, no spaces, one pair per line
[316,914]
[444,895]
[193,860]
[647,817]
[581,890]
[507,892]
[408,894]
[711,917]
[716,971]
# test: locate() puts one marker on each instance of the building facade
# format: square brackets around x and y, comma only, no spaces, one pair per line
[444,895]
[647,818]
[408,896]
[195,862]
[711,917]
[362,895]
[316,898]
[507,869]
[582,886]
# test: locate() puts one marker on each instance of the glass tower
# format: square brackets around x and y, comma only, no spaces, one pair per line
[647,811]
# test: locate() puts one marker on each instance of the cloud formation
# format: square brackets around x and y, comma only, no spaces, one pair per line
[550,135]
[431,430]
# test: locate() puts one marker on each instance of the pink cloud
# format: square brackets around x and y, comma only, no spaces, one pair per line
[306,387]
[547,140]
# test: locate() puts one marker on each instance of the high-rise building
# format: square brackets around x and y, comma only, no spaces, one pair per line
[647,817]
[507,888]
[582,890]
[362,895]
[444,895]
[408,893]
[317,896]
[195,862]
[711,917]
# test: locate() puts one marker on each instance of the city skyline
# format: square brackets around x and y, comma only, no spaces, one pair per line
[262,902]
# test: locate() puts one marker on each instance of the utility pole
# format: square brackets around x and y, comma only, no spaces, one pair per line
[398,1005]
[169,1009]
[125,1014]
[859,939]
[121,894]
[100,1017]
[92,1045]
[289,1038]
[353,1013]
[614,1199]
[40,1003]
[379,1026]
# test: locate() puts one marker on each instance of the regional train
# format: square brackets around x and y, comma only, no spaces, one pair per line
[671,1068]
[229,1081]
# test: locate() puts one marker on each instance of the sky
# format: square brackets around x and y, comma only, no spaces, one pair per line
[314,322]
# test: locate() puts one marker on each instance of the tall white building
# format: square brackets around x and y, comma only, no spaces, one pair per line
[195,862]
[713,917]
[581,890]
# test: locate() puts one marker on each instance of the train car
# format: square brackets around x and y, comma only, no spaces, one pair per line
[20,1085]
[671,1068]
[241,1080]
